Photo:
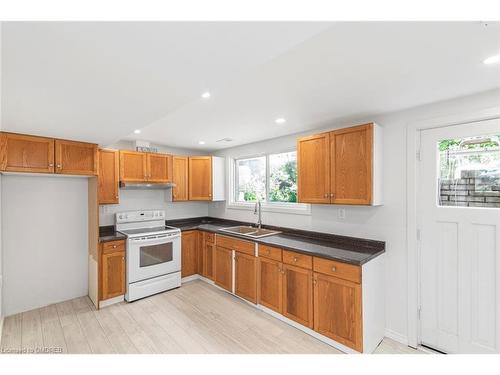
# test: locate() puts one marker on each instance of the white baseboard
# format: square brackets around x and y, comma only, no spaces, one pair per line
[402,339]
[1,329]
[111,301]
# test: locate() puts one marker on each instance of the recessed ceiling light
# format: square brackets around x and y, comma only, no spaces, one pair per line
[280,120]
[205,95]
[201,142]
[137,131]
[492,60]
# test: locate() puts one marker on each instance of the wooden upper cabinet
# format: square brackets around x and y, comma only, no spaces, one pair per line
[113,275]
[223,268]
[351,160]
[341,167]
[313,168]
[245,276]
[77,158]
[337,310]
[108,177]
[133,166]
[180,178]
[26,153]
[200,178]
[270,284]
[298,294]
[159,168]
[189,256]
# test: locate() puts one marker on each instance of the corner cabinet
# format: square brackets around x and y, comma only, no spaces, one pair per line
[206,178]
[108,178]
[343,166]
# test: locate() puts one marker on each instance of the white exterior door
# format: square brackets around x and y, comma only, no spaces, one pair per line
[459,221]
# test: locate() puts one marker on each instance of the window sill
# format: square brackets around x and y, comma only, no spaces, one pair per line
[295,209]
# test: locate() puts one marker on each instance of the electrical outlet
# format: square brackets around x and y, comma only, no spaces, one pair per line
[341,213]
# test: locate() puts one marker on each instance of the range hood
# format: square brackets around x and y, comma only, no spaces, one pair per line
[146,185]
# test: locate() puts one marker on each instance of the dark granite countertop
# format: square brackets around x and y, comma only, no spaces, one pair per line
[108,233]
[342,248]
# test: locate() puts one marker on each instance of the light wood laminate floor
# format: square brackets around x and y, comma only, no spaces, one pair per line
[196,318]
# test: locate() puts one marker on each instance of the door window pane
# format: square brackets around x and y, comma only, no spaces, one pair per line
[250,179]
[283,177]
[156,254]
[469,172]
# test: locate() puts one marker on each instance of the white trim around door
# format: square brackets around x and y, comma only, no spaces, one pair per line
[413,130]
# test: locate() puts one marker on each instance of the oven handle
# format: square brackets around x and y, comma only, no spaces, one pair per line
[154,238]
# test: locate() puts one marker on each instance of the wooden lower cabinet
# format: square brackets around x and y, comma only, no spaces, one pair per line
[298,294]
[208,260]
[270,284]
[337,310]
[189,256]
[245,276]
[223,268]
[113,274]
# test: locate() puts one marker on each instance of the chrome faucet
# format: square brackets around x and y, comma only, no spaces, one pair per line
[258,210]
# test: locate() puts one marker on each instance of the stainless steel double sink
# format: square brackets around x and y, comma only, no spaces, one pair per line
[249,231]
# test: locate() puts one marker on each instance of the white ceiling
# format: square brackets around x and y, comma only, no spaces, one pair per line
[100,81]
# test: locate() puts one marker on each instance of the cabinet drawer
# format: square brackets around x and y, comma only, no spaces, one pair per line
[300,260]
[113,246]
[270,252]
[235,244]
[338,269]
[209,237]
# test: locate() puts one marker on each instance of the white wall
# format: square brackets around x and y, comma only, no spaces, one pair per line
[387,222]
[45,240]
[1,256]
[152,199]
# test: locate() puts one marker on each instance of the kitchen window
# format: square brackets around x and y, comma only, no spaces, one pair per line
[270,178]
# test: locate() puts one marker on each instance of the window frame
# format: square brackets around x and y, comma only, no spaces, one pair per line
[267,206]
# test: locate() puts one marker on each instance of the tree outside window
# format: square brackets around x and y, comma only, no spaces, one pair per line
[271,178]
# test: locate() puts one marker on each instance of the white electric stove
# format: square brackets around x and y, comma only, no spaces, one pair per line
[153,253]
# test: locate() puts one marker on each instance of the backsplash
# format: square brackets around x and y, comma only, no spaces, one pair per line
[151,199]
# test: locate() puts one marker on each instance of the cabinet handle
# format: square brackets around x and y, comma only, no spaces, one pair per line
[334,269]
[332,195]
[114,246]
[326,195]
[294,259]
[315,281]
[116,196]
[123,258]
[51,164]
[58,165]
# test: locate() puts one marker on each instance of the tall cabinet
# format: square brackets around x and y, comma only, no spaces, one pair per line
[343,166]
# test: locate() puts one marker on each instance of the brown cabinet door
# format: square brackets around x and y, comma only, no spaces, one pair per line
[133,166]
[75,157]
[245,276]
[200,178]
[298,295]
[223,268]
[313,169]
[25,153]
[351,160]
[270,284]
[113,274]
[180,178]
[159,168]
[189,257]
[337,310]
[108,177]
[208,260]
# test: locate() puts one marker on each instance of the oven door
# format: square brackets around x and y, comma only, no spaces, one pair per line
[152,256]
